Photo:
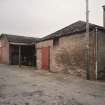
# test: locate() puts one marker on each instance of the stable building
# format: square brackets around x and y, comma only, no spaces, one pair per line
[66,51]
[17,50]
[73,51]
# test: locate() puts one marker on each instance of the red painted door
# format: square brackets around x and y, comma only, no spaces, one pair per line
[45,58]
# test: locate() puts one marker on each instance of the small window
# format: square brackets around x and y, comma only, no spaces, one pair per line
[55,41]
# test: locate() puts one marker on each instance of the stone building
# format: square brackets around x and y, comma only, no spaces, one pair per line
[17,50]
[69,50]
[66,51]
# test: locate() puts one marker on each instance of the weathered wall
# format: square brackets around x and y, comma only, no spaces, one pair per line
[0,52]
[4,51]
[68,56]
[48,43]
[92,56]
[72,52]
[101,54]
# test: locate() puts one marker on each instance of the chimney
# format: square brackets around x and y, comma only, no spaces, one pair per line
[103,15]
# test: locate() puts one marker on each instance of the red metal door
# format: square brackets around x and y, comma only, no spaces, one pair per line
[45,58]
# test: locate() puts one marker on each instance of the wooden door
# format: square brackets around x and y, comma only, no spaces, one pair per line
[45,58]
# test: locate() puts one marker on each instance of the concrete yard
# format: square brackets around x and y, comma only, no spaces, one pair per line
[27,86]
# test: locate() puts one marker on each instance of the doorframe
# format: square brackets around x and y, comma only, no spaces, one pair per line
[48,56]
[40,48]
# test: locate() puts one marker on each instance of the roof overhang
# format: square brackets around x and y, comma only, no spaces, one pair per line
[21,44]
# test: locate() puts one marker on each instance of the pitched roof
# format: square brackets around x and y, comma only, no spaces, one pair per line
[79,26]
[20,39]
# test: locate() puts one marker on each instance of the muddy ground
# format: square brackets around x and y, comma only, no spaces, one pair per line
[27,86]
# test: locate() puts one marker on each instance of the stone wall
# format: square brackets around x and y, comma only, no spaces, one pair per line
[72,52]
[68,56]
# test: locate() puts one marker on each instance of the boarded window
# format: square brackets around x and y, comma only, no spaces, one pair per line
[55,41]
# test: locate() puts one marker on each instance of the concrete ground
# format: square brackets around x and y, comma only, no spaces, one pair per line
[27,86]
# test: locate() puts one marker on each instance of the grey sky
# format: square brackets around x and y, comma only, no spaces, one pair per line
[42,17]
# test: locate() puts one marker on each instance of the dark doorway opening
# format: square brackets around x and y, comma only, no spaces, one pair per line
[23,55]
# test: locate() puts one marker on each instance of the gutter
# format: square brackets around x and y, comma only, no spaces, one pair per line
[25,44]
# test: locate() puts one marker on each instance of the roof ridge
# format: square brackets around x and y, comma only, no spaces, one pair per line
[20,39]
[78,26]
[17,35]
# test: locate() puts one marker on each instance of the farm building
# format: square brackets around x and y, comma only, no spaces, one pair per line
[65,50]
[73,51]
[17,50]
[70,50]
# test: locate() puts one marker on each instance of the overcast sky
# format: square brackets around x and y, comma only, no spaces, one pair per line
[41,17]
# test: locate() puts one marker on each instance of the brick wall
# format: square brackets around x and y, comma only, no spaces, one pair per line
[4,51]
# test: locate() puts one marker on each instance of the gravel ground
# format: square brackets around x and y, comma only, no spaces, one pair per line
[27,86]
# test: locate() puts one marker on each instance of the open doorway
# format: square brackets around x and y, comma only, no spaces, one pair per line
[23,55]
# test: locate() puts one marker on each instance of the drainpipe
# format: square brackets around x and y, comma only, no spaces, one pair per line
[19,56]
[96,30]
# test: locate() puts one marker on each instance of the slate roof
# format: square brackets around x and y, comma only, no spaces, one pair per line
[20,39]
[79,26]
